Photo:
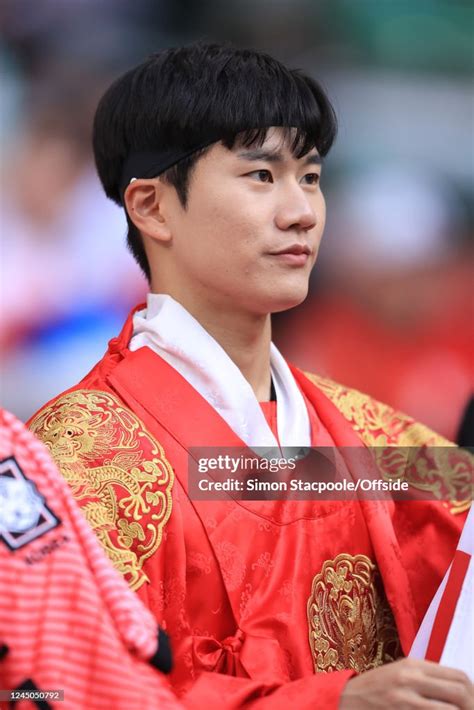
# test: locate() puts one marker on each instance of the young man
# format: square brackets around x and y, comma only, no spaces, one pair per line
[215,154]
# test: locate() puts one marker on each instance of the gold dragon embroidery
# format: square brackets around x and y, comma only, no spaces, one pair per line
[116,470]
[350,622]
[405,448]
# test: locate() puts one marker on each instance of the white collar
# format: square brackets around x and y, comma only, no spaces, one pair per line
[170,330]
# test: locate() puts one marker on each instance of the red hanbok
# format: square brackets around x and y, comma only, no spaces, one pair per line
[271,602]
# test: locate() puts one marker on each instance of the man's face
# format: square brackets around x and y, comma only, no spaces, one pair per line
[249,235]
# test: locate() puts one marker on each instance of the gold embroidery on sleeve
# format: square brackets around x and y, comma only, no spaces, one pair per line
[446,472]
[351,625]
[440,466]
[116,470]
[375,422]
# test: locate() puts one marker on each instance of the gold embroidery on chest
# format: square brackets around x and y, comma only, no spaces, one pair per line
[116,470]
[351,625]
[438,466]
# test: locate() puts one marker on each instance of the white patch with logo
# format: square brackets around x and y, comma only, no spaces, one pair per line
[24,515]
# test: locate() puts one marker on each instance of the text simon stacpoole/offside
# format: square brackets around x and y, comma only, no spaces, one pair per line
[228,473]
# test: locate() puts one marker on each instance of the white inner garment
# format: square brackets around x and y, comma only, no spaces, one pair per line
[171,331]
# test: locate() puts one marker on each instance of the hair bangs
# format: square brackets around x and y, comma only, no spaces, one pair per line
[299,140]
[276,97]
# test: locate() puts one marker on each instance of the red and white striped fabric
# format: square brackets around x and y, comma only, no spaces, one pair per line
[68,620]
[446,634]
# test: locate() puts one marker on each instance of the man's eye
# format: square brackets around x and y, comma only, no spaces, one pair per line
[311,179]
[262,175]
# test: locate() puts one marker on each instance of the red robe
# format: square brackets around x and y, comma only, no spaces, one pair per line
[266,601]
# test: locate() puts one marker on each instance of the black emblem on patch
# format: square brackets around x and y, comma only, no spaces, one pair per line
[24,515]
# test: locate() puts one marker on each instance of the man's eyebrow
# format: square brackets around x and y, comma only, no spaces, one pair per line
[269,156]
[313,159]
[275,156]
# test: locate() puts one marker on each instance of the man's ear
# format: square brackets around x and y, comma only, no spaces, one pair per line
[143,202]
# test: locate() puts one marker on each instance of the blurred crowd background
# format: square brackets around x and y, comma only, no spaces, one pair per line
[390,309]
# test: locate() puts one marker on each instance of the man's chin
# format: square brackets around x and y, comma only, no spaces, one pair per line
[264,302]
[291,301]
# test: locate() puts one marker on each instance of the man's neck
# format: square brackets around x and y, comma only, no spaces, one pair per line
[244,337]
[246,341]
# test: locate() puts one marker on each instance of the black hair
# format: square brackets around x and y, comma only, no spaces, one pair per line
[180,97]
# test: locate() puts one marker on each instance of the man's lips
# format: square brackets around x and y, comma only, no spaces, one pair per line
[293,249]
[293,255]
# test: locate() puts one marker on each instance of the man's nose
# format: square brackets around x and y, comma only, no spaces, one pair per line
[295,211]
